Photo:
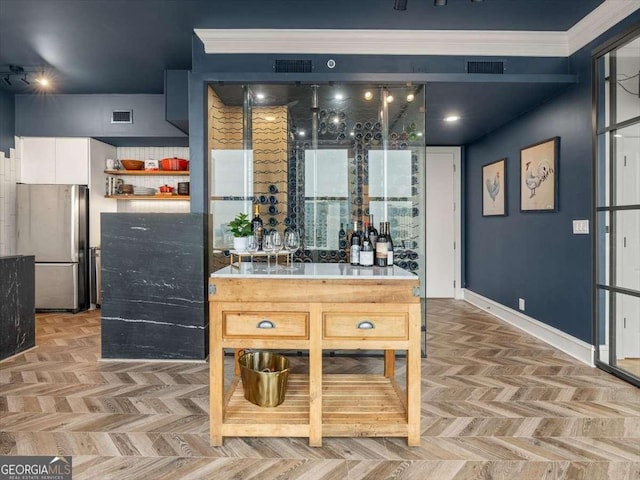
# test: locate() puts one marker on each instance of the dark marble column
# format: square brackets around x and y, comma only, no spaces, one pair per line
[17,304]
[154,301]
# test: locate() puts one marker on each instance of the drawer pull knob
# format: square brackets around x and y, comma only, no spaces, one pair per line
[366,325]
[266,324]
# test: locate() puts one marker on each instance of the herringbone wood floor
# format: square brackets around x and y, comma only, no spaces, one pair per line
[497,404]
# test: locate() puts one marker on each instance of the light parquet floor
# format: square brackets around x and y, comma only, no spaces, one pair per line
[496,404]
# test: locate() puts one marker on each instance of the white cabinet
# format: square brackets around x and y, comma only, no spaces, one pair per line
[38,160]
[72,161]
[55,160]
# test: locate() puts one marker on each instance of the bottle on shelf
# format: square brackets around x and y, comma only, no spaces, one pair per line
[366,251]
[257,226]
[390,257]
[355,245]
[373,233]
[381,248]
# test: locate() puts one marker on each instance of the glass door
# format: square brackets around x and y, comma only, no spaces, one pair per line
[617,228]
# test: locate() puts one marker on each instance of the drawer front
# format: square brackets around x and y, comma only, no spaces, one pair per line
[265,325]
[379,326]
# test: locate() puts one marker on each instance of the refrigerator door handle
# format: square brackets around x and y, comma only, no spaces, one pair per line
[75,210]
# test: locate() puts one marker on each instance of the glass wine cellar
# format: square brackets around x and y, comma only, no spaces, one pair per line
[317,158]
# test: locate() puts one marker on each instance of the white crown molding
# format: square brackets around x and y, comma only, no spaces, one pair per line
[598,22]
[419,42]
[557,338]
[384,42]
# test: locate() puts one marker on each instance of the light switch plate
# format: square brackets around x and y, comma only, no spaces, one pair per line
[581,227]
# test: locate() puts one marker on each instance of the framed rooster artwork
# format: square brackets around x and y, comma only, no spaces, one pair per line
[539,176]
[493,189]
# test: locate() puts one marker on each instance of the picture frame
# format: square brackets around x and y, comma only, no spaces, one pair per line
[494,191]
[539,176]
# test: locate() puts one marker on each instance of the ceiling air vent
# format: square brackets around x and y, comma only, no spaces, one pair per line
[293,66]
[122,116]
[485,67]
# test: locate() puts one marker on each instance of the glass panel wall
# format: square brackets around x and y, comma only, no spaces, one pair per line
[617,222]
[318,158]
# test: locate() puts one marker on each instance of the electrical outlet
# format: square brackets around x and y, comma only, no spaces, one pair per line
[521,304]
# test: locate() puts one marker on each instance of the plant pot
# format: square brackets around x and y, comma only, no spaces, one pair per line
[240,243]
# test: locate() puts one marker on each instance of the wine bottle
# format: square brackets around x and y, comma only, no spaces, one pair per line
[355,245]
[257,226]
[390,257]
[366,251]
[373,233]
[381,248]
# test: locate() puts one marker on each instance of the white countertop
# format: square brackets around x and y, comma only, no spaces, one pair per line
[320,271]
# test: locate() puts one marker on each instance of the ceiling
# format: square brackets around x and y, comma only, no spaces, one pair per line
[124,46]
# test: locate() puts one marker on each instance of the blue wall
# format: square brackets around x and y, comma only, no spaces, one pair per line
[86,115]
[535,256]
[7,122]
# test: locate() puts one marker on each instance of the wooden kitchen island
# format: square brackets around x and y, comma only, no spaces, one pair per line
[317,307]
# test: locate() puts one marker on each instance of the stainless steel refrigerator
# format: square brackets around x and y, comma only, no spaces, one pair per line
[53,225]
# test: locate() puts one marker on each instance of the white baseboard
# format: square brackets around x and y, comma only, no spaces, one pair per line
[569,344]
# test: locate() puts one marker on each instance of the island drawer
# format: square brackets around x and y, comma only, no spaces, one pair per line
[355,325]
[265,324]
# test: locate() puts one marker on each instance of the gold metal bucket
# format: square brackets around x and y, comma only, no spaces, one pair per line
[264,377]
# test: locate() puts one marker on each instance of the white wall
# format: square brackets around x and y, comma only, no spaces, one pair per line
[9,176]
[100,152]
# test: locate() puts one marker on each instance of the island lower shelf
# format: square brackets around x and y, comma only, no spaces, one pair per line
[352,406]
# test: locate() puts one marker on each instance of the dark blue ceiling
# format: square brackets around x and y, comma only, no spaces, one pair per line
[123,46]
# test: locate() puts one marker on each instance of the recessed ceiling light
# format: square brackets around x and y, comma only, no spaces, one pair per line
[44,81]
[452,118]
[339,96]
[260,96]
[352,134]
[270,118]
[617,135]
[301,133]
[411,97]
[368,95]
[389,98]
[419,134]
[335,120]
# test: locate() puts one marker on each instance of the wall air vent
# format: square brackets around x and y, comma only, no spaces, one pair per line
[122,116]
[293,66]
[485,67]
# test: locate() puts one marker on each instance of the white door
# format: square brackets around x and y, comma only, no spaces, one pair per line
[441,234]
[628,250]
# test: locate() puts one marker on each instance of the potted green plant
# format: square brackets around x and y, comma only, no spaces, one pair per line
[240,228]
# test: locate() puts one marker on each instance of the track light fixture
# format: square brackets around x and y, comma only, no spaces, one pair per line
[400,4]
[37,74]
